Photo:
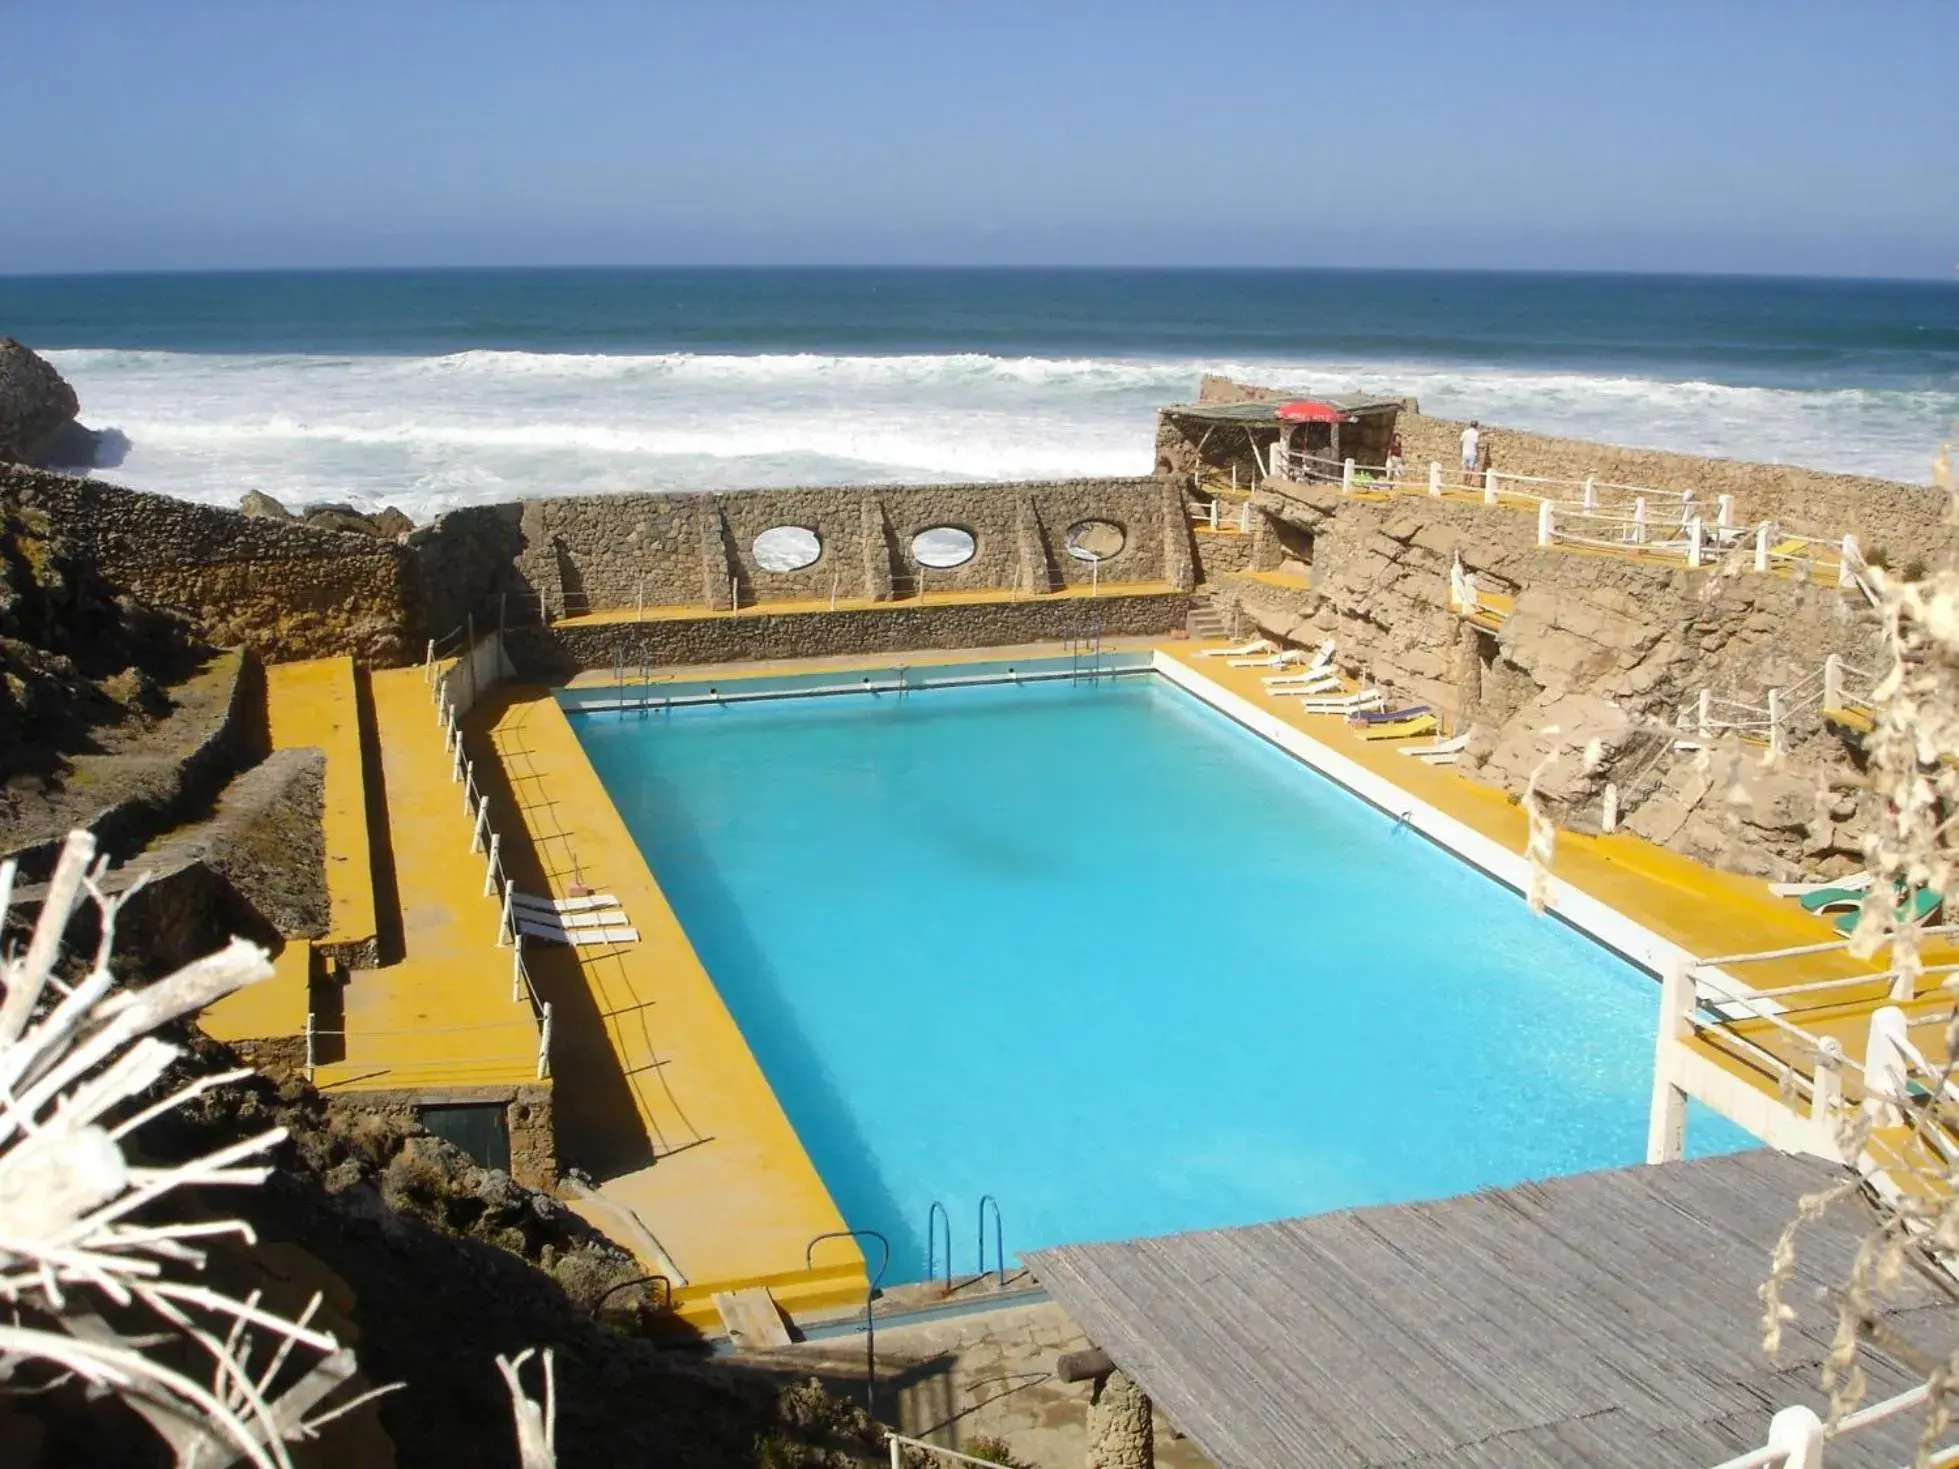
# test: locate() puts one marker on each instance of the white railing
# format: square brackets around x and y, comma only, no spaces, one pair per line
[1833,686]
[1797,1435]
[484,839]
[899,1443]
[1613,516]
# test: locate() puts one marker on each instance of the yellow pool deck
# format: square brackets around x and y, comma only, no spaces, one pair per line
[443,1016]
[656,1091]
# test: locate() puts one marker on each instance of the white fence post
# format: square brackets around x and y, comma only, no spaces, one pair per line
[1458,588]
[1544,522]
[1775,721]
[1852,558]
[1762,533]
[1609,815]
[1590,500]
[1797,1434]
[310,1047]
[1694,541]
[490,867]
[1489,487]
[1826,1082]
[1724,511]
[1639,520]
[1705,713]
[1833,681]
[1887,1074]
[544,1044]
[1347,478]
[479,835]
[428,663]
[507,919]
[1666,1119]
[517,974]
[1435,479]
[1245,518]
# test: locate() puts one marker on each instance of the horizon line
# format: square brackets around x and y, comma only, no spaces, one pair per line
[144,272]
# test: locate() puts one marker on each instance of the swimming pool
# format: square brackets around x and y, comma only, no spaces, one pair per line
[1100,952]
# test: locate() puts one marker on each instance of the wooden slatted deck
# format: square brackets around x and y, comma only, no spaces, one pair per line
[1607,1319]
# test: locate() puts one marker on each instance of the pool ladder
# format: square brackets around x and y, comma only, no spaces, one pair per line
[1084,641]
[938,1221]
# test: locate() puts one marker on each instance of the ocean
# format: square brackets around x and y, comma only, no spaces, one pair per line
[429,389]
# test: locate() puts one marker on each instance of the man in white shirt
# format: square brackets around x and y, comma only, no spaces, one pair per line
[1472,450]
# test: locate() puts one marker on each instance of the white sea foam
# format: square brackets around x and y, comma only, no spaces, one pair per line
[430,433]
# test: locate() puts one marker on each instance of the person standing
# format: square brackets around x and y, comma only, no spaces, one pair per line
[1472,451]
[1393,466]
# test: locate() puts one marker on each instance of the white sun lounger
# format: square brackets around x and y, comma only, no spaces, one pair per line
[582,904]
[581,938]
[1285,658]
[1361,703]
[1441,749]
[1321,665]
[1243,650]
[1855,883]
[1320,683]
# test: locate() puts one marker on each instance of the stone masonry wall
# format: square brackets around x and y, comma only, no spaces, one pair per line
[601,552]
[1889,519]
[284,590]
[561,650]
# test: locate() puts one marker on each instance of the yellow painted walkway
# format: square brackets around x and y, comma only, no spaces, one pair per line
[313,705]
[316,704]
[443,1016]
[656,1091]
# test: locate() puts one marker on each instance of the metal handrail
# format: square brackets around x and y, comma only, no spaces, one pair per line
[611,1291]
[871,1293]
[999,1239]
[938,1211]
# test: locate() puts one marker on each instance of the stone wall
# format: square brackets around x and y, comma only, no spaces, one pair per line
[284,590]
[561,650]
[527,1114]
[1894,521]
[597,553]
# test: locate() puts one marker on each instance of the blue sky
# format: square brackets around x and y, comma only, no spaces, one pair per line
[1745,135]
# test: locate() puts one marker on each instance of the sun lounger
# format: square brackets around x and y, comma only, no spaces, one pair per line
[1345,705]
[1285,658]
[1440,750]
[1389,716]
[1921,905]
[554,906]
[552,933]
[1322,664]
[1421,724]
[1243,650]
[1320,683]
[1857,882]
[1833,900]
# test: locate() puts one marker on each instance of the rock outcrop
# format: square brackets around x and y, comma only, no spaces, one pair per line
[37,413]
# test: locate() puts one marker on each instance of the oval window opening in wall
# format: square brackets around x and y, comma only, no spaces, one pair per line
[943,545]
[787,548]
[1095,540]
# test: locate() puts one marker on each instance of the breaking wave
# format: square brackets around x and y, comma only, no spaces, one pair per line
[432,432]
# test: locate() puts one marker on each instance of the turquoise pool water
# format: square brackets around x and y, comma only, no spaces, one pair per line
[1102,953]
